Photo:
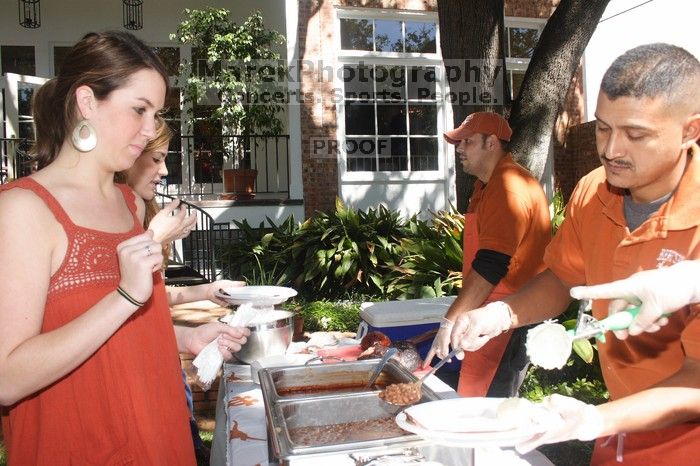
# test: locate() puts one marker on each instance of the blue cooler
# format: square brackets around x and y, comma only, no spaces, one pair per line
[401,320]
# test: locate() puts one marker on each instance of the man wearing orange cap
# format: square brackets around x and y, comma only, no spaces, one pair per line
[638,212]
[506,230]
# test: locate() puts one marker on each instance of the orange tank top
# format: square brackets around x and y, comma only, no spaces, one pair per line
[126,403]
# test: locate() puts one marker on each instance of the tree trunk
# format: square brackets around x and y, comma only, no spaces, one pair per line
[548,77]
[471,31]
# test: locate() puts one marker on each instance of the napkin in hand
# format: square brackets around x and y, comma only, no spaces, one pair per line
[209,360]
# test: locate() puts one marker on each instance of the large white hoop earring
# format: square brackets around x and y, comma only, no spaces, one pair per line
[84,144]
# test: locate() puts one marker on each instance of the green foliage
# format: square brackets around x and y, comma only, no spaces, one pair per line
[241,67]
[343,316]
[591,391]
[260,257]
[374,252]
[431,264]
[557,210]
[347,249]
[580,377]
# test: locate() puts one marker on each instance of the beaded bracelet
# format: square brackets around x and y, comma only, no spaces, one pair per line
[128,297]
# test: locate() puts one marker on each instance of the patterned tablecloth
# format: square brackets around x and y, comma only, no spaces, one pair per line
[245,420]
[241,437]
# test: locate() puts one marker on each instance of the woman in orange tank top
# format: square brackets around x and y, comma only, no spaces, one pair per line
[89,372]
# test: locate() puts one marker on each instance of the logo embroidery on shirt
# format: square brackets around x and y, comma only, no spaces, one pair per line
[668,257]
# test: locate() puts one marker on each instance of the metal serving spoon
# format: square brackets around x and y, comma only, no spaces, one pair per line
[380,365]
[404,394]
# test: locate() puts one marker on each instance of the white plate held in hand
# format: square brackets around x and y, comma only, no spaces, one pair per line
[465,422]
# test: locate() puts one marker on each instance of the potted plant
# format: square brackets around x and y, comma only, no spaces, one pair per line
[237,69]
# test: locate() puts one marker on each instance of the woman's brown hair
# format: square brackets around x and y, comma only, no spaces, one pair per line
[103,61]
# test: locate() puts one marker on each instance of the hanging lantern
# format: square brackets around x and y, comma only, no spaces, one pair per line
[132,14]
[29,13]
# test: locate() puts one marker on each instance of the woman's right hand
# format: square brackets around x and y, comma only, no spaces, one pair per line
[139,257]
[172,223]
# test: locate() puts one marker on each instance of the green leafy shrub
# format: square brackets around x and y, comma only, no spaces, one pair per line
[580,377]
[374,252]
[260,256]
[342,316]
[557,210]
[431,264]
[346,249]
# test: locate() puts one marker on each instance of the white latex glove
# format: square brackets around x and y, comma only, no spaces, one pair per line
[171,223]
[441,342]
[473,329]
[659,291]
[570,419]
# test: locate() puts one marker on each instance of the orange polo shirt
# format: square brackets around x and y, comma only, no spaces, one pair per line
[512,218]
[594,246]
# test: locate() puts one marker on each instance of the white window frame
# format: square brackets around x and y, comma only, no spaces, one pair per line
[519,64]
[354,57]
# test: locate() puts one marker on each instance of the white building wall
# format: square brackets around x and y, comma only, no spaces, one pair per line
[65,22]
[629,23]
[408,198]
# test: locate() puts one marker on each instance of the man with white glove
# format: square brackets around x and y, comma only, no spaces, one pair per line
[638,212]
[568,419]
[506,229]
[658,291]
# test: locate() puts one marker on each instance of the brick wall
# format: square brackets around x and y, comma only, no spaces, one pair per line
[530,8]
[204,402]
[578,158]
[316,38]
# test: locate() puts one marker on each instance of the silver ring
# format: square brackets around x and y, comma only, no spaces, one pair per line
[148,250]
[229,349]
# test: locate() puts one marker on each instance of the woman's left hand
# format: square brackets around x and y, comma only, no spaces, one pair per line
[230,339]
[214,287]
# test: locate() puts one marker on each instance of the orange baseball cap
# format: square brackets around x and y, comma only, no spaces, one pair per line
[480,122]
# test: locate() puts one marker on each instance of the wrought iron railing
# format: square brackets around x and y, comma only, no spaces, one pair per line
[14,161]
[195,164]
[198,250]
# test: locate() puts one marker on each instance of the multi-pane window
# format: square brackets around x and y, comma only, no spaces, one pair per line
[208,145]
[380,35]
[19,59]
[390,118]
[170,56]
[390,107]
[171,114]
[521,38]
[59,56]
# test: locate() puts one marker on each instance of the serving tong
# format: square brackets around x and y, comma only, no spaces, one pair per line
[408,455]
[588,326]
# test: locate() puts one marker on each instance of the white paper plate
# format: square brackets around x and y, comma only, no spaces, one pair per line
[464,422]
[257,295]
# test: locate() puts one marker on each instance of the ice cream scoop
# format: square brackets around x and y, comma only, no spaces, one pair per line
[549,344]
